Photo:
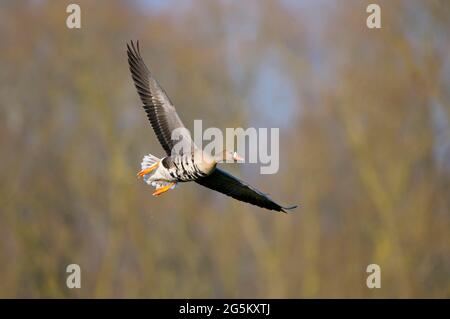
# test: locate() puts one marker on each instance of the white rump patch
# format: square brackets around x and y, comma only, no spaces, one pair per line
[148,161]
[159,184]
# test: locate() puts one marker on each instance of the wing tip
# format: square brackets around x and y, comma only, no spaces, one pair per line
[287,209]
[133,48]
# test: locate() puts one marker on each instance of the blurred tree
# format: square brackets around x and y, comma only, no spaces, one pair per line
[365,114]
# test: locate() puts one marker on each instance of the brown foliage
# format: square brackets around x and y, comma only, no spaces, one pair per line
[365,150]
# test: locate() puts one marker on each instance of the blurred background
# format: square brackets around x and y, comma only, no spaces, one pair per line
[364,118]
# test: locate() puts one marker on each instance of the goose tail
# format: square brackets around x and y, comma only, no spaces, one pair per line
[148,161]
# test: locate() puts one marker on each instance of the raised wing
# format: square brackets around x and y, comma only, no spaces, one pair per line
[227,184]
[160,111]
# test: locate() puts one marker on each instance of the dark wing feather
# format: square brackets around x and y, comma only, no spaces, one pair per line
[227,184]
[160,111]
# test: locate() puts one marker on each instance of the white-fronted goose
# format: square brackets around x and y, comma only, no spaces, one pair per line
[191,165]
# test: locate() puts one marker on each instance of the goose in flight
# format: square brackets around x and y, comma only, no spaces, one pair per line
[189,163]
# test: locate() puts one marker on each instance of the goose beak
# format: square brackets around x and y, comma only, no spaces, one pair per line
[237,158]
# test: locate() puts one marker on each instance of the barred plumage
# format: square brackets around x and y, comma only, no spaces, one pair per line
[183,168]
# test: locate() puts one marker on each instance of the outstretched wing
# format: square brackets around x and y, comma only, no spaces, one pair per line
[227,184]
[160,111]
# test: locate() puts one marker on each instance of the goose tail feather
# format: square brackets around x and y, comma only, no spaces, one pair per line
[148,161]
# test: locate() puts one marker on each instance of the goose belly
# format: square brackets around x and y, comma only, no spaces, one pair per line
[185,169]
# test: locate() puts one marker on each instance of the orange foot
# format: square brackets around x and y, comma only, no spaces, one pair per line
[163,189]
[147,170]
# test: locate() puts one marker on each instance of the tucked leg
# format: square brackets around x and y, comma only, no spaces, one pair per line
[147,170]
[163,189]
